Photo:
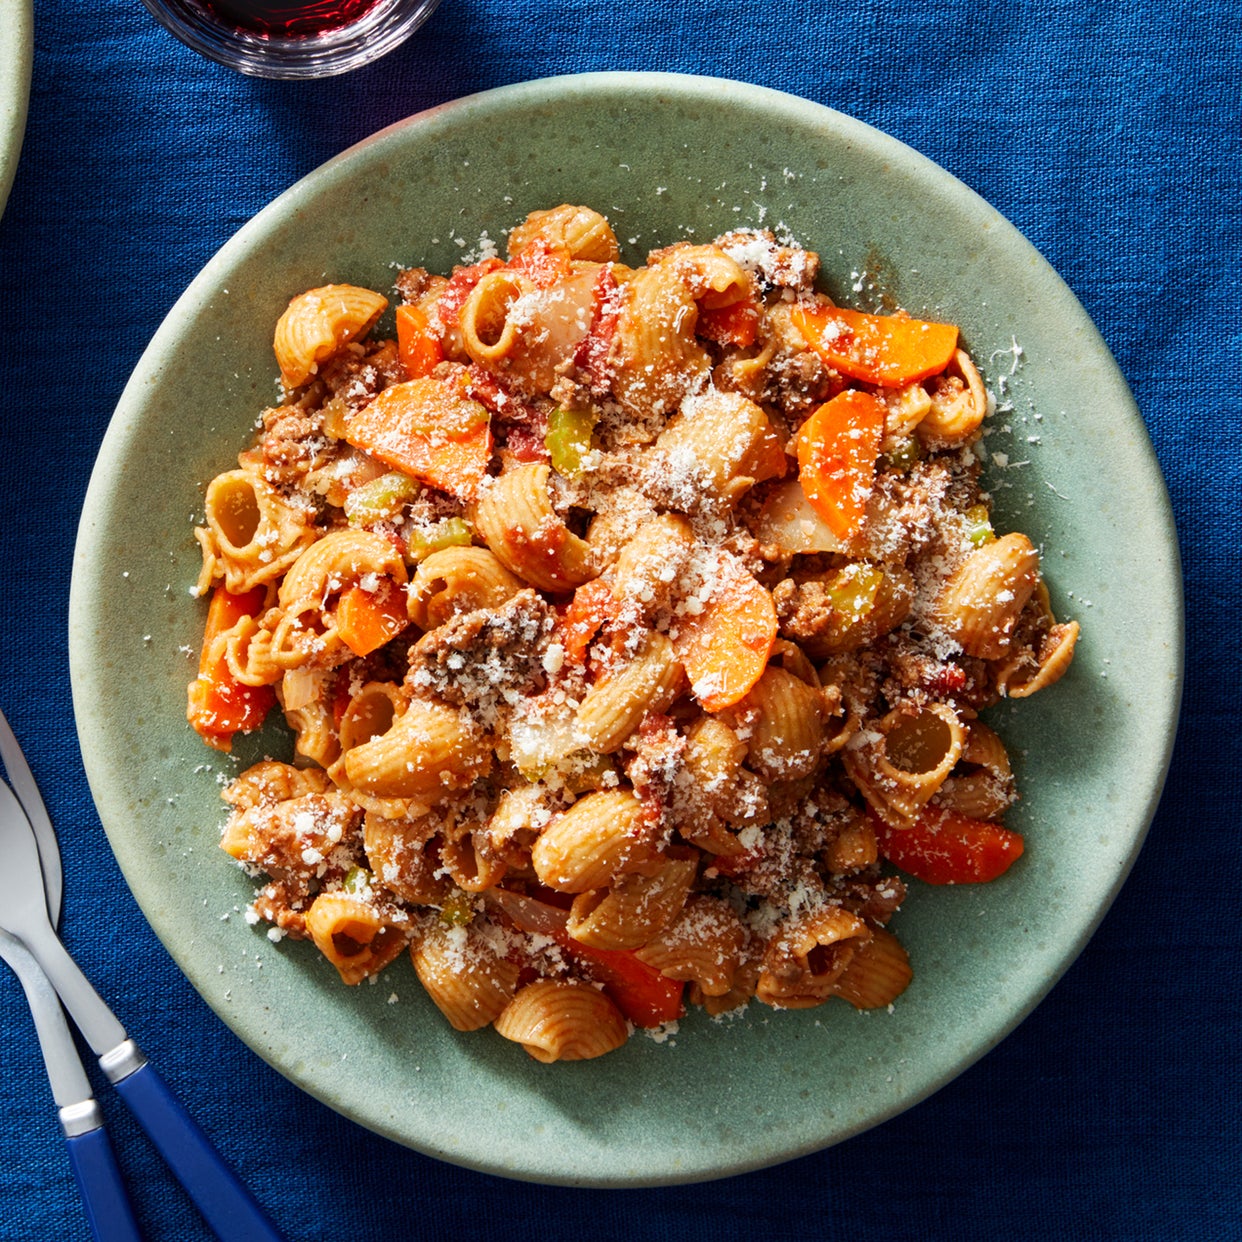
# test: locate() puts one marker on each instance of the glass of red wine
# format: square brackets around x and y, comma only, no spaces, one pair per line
[292,38]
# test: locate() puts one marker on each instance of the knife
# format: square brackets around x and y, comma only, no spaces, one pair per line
[81,1119]
[227,1206]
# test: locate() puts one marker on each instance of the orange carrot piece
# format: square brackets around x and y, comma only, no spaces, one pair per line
[218,705]
[943,847]
[430,429]
[366,620]
[725,648]
[584,617]
[420,350]
[737,324]
[837,448]
[878,349]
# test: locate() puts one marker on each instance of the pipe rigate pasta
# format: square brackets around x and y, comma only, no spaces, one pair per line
[354,934]
[515,517]
[597,839]
[577,232]
[456,580]
[470,983]
[317,324]
[557,1021]
[252,534]
[638,618]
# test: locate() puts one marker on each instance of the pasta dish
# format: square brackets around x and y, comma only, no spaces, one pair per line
[633,625]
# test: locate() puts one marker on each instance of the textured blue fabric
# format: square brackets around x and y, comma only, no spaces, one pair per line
[1109,134]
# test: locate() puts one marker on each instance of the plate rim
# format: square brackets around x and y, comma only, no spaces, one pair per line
[543,90]
[16,31]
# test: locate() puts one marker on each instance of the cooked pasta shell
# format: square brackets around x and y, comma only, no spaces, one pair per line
[457,580]
[1056,653]
[806,958]
[716,448]
[430,751]
[705,945]
[339,559]
[631,910]
[597,839]
[247,650]
[900,763]
[269,781]
[877,974]
[293,836]
[980,604]
[579,232]
[526,331]
[613,708]
[404,855]
[561,1021]
[353,935]
[789,726]
[469,858]
[317,324]
[252,534]
[649,567]
[959,404]
[656,357]
[514,515]
[311,718]
[470,983]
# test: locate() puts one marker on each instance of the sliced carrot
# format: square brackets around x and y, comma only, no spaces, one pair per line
[890,350]
[430,429]
[584,617]
[837,448]
[645,996]
[366,620]
[726,646]
[737,324]
[218,705]
[419,348]
[943,847]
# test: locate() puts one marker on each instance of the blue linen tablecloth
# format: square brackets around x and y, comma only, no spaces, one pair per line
[1109,134]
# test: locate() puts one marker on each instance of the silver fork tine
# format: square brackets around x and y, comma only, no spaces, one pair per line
[21,778]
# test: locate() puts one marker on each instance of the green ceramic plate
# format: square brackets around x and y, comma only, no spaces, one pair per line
[16,50]
[666,157]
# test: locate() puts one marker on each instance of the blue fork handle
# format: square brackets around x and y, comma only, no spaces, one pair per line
[103,1193]
[227,1206]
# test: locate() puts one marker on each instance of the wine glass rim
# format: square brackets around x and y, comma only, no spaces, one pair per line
[385,25]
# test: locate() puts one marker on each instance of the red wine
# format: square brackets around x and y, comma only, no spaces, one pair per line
[285,18]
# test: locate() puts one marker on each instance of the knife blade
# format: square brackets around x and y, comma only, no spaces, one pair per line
[27,789]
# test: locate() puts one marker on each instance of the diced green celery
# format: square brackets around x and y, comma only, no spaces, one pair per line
[568,439]
[458,909]
[853,590]
[979,525]
[357,880]
[379,499]
[905,455]
[453,532]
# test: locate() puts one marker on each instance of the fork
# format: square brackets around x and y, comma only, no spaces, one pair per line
[27,856]
[81,1120]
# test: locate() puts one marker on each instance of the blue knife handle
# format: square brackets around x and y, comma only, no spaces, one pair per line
[227,1206]
[103,1192]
